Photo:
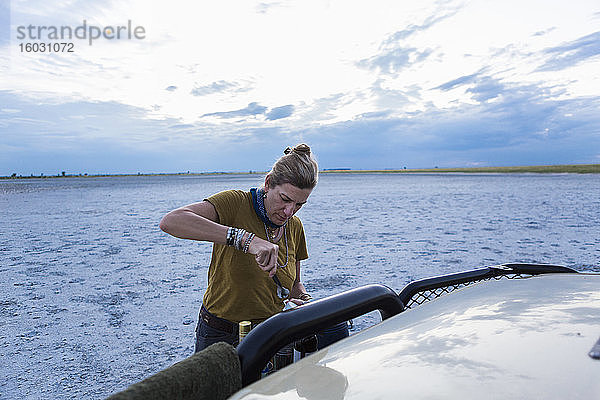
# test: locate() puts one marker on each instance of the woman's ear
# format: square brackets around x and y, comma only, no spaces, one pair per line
[267,181]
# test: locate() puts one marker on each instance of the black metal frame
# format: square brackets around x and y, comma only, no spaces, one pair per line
[261,344]
[266,339]
[424,290]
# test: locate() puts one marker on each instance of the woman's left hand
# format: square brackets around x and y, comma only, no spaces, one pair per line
[298,302]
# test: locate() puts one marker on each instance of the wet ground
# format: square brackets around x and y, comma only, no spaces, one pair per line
[95,297]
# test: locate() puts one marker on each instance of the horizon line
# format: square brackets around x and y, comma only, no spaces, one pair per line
[551,168]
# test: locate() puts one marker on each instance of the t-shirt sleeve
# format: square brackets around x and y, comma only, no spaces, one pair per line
[227,204]
[301,250]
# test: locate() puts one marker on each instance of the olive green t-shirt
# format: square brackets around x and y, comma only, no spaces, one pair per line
[238,289]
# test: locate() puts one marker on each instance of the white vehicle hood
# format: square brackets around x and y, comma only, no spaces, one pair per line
[501,339]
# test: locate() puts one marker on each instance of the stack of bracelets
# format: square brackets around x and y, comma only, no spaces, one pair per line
[235,238]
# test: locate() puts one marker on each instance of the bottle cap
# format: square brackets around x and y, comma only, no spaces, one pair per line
[245,327]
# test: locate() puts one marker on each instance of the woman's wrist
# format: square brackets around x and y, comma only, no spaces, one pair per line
[230,239]
[239,238]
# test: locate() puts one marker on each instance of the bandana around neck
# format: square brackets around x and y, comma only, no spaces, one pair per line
[259,207]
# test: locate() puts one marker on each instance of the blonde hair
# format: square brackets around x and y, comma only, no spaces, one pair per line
[297,166]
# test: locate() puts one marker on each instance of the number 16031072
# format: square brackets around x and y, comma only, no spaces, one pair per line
[58,47]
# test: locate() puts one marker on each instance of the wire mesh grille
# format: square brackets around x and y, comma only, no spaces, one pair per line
[427,295]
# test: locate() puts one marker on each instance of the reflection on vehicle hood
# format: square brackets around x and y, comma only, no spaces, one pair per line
[504,339]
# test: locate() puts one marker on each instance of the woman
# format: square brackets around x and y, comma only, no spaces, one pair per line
[258,246]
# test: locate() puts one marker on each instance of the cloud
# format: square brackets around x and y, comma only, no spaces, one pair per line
[254,109]
[463,80]
[482,87]
[181,126]
[525,115]
[218,87]
[323,109]
[280,112]
[388,101]
[263,8]
[251,110]
[391,99]
[394,60]
[572,53]
[545,31]
[10,110]
[394,56]
[429,22]
[375,115]
[527,124]
[487,88]
[32,124]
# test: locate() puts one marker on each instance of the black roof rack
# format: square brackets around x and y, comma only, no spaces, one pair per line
[424,290]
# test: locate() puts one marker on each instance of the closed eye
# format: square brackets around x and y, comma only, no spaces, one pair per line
[288,200]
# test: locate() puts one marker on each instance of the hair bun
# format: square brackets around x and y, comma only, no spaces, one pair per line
[297,167]
[301,148]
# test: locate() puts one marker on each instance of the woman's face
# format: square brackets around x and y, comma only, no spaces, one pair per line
[283,201]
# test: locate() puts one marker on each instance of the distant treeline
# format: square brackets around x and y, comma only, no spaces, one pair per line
[65,175]
[552,169]
[540,169]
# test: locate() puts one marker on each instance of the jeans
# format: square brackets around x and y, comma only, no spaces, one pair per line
[332,334]
[206,335]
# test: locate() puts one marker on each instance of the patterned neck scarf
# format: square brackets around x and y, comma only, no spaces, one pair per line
[259,207]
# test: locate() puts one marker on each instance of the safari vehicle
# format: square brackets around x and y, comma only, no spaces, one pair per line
[513,331]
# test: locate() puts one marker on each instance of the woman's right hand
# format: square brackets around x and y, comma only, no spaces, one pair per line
[265,253]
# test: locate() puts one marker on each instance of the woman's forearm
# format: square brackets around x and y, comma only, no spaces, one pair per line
[199,222]
[189,223]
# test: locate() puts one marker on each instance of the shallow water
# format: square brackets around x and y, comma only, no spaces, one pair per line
[96,297]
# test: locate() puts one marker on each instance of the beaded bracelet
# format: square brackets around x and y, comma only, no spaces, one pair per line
[239,237]
[230,236]
[235,238]
[248,240]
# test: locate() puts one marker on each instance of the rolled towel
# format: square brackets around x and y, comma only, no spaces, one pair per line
[213,373]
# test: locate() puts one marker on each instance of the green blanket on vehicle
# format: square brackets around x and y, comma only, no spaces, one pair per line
[213,373]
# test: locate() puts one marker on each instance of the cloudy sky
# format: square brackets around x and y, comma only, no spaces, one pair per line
[225,86]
